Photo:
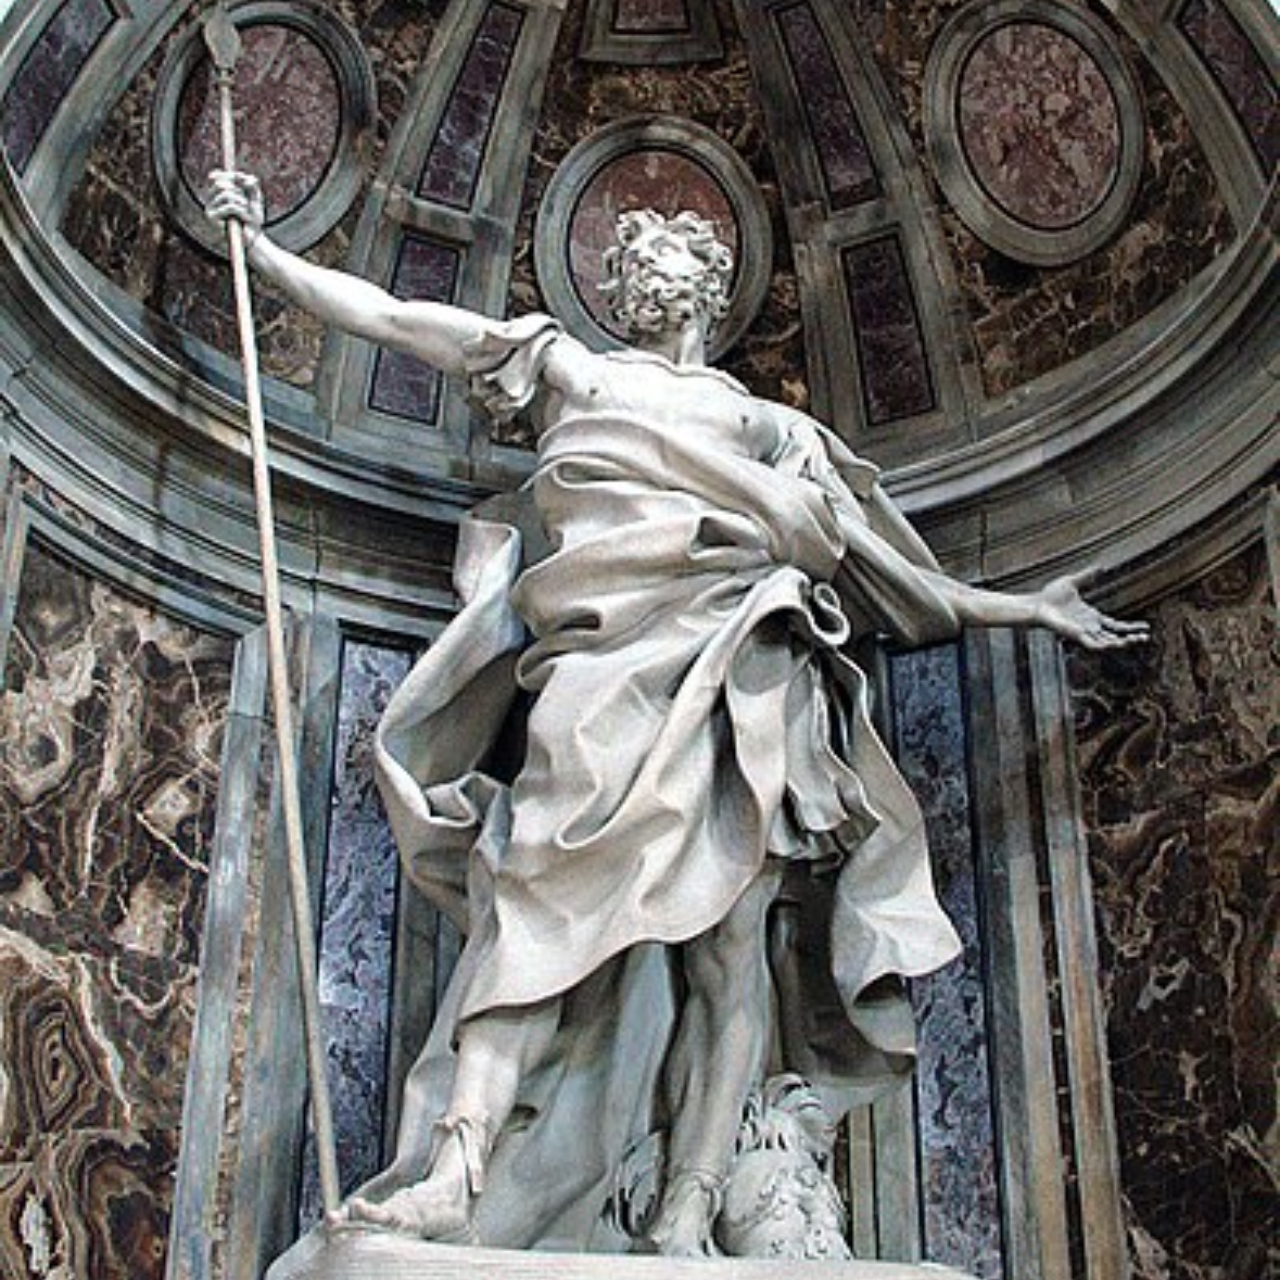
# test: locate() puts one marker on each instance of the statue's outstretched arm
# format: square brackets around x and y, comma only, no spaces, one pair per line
[1058,605]
[432,331]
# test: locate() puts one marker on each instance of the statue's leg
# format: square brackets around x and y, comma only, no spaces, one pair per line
[495,1051]
[717,1057]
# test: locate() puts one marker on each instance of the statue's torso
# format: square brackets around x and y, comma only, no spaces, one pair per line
[637,386]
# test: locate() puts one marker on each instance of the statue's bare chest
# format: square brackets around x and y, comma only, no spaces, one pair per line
[680,401]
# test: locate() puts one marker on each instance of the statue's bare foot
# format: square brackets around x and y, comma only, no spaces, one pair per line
[437,1208]
[683,1226]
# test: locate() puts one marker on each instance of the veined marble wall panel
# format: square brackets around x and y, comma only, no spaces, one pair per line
[358,927]
[109,764]
[955,1121]
[1178,751]
[451,171]
[582,97]
[115,220]
[1028,321]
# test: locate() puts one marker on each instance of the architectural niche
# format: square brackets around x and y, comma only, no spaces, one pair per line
[1119,409]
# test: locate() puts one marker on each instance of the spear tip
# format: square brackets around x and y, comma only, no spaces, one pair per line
[223,39]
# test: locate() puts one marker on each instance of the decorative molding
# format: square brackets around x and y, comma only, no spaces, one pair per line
[645,34]
[119,56]
[342,173]
[1051,1071]
[53,43]
[1250,84]
[1100,464]
[464,64]
[656,138]
[1042,237]
[836,202]
[1101,461]
[196,1180]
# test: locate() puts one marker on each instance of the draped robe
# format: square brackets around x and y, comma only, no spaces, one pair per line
[663,623]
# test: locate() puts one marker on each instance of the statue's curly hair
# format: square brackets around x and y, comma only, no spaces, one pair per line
[624,260]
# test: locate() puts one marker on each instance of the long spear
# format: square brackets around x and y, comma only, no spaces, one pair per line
[224,48]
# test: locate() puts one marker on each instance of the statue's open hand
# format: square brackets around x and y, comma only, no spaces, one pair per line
[1062,608]
[238,196]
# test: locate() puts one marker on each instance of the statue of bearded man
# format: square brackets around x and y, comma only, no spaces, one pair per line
[705,868]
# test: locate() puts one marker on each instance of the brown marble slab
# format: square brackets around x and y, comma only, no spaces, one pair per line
[1179,754]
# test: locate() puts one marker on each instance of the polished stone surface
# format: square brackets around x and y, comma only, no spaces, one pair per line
[451,169]
[845,159]
[895,376]
[651,16]
[1251,88]
[288,109]
[1025,321]
[110,740]
[357,926]
[117,223]
[47,72]
[1178,754]
[1038,123]
[961,1208]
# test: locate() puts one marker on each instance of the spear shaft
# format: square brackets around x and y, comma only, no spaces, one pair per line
[224,47]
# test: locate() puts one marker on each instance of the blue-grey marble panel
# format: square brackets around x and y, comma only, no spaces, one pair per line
[961,1211]
[357,927]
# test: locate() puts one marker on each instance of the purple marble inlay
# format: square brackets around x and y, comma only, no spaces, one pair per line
[847,168]
[961,1209]
[1039,124]
[402,385]
[651,17]
[895,370]
[288,117]
[357,927]
[1236,66]
[452,167]
[47,73]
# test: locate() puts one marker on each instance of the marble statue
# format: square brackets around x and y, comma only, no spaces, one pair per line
[698,869]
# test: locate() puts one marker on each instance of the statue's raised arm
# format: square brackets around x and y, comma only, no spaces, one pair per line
[434,332]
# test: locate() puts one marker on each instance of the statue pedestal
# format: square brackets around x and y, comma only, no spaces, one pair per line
[362,1253]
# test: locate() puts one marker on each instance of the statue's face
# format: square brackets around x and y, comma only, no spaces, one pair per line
[662,283]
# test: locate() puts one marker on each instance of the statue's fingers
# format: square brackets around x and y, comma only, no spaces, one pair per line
[225,205]
[1130,628]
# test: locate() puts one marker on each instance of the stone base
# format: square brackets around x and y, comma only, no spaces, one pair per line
[366,1253]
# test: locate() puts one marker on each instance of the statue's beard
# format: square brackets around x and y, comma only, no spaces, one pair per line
[656,304]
